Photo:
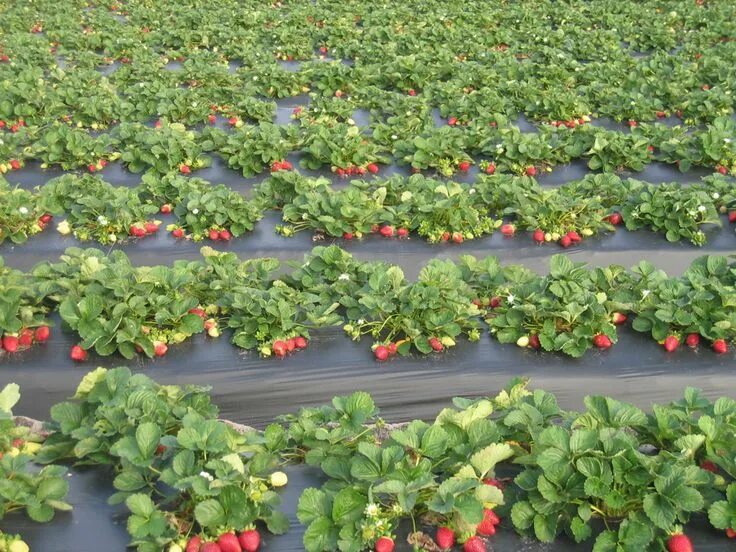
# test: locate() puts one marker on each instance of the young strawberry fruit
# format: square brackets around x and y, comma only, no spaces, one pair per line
[300,342]
[372,168]
[491,168]
[194,544]
[381,353]
[210,547]
[159,348]
[436,344]
[166,208]
[707,465]
[402,232]
[618,318]
[228,542]
[280,348]
[250,540]
[464,166]
[457,237]
[445,538]
[387,231]
[671,343]
[78,354]
[720,346]
[213,234]
[385,544]
[10,343]
[184,169]
[679,542]
[565,241]
[531,171]
[225,235]
[347,236]
[538,236]
[474,544]
[487,527]
[692,340]
[602,341]
[25,339]
[42,334]
[534,342]
[732,216]
[508,229]
[178,232]
[615,218]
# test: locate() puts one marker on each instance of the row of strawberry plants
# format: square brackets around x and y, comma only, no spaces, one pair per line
[333,140]
[628,479]
[439,211]
[118,308]
[553,63]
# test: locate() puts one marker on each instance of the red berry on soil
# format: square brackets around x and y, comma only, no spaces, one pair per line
[730,533]
[602,341]
[387,231]
[707,465]
[300,342]
[732,216]
[436,344]
[385,544]
[178,232]
[721,169]
[720,346]
[290,344]
[194,544]
[276,166]
[574,236]
[225,235]
[212,119]
[184,169]
[661,114]
[159,348]
[78,354]
[412,92]
[464,166]
[487,527]
[10,343]
[565,241]
[233,121]
[250,540]
[166,208]
[671,343]
[491,168]
[46,218]
[42,334]
[280,348]
[381,353]
[151,227]
[372,168]
[445,236]
[25,339]
[91,167]
[692,340]
[531,171]
[228,542]
[508,229]
[474,544]
[286,166]
[392,349]
[615,218]
[457,237]
[452,121]
[619,318]
[347,235]
[14,164]
[402,232]
[214,234]
[534,341]
[445,538]
[679,543]
[538,236]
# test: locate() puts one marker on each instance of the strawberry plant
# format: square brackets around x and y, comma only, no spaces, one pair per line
[21,214]
[168,148]
[72,148]
[338,145]
[251,149]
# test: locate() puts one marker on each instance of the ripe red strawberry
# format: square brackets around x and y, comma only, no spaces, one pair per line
[436,344]
[213,234]
[91,167]
[159,348]
[360,170]
[185,169]
[457,237]
[276,166]
[692,340]
[372,168]
[474,544]
[452,121]
[157,124]
[402,232]
[464,166]
[445,236]
[10,343]
[210,547]
[166,208]
[78,354]
[151,227]
[300,342]
[538,236]
[212,119]
[491,168]
[531,171]
[602,341]
[14,164]
[618,318]
[679,543]
[707,465]
[730,533]
[347,235]
[565,241]
[42,334]
[721,169]
[720,346]
[487,527]
[290,344]
[387,231]
[340,171]
[194,544]
[286,166]
[338,93]
[381,353]
[615,218]
[25,339]
[250,540]
[574,236]
[661,114]
[280,348]
[494,302]
[412,92]
[445,538]
[228,542]
[225,235]
[233,121]
[178,232]
[732,216]
[632,123]
[494,483]
[534,341]
[392,348]
[671,343]
[46,218]
[508,229]
[137,231]
[323,49]
[385,544]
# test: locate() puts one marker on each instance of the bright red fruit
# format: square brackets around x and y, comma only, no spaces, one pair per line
[280,348]
[78,354]
[464,166]
[184,169]
[402,232]
[474,544]
[228,542]
[387,231]
[720,346]
[385,544]
[436,344]
[225,235]
[495,482]
[679,543]
[692,340]
[14,164]
[732,216]
[347,235]
[10,343]
[210,547]
[457,237]
[565,241]
[250,540]
[42,334]
[26,338]
[619,318]
[166,208]
[151,227]
[194,543]
[445,236]
[199,312]
[445,537]
[602,341]
[137,231]
[538,236]
[487,527]
[372,168]
[531,171]
[300,342]
[91,167]
[730,533]
[214,234]
[671,343]
[721,169]
[615,218]
[508,229]
[290,344]
[534,341]
[46,218]
[412,92]
[495,301]
[452,121]
[574,236]
[392,349]
[159,348]
[212,119]
[178,232]
[381,353]
[491,168]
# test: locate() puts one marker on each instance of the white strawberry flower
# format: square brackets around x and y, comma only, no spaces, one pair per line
[360,321]
[371,510]
[195,211]
[471,191]
[510,298]
[23,210]
[716,195]
[344,277]
[255,78]
[206,475]
[727,140]
[394,137]
[113,238]
[645,293]
[701,208]
[102,220]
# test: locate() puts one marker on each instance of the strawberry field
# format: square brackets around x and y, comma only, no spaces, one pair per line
[329,221]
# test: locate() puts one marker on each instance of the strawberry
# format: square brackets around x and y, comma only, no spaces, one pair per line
[707,465]
[91,167]
[300,342]
[78,354]
[151,227]
[46,218]
[10,343]
[574,236]
[347,236]
[491,168]
[508,229]
[381,353]
[166,208]
[402,232]
[14,164]
[565,241]
[445,538]
[338,93]
[618,318]
[210,547]
[157,124]
[494,483]
[457,237]
[210,323]
[323,49]
[538,236]
[671,343]
[720,346]
[232,121]
[228,542]
[436,344]
[679,542]
[602,341]
[276,166]
[385,544]
[372,168]
[184,169]
[250,540]
[286,166]
[160,450]
[692,340]
[42,334]
[445,236]
[721,169]
[534,341]
[387,231]
[137,231]
[159,348]
[212,119]
[178,232]
[495,301]
[632,123]
[464,166]
[615,218]
[661,114]
[213,234]
[290,344]
[412,92]
[340,171]
[225,235]
[199,312]
[732,216]
[194,544]
[474,544]
[531,171]
[730,533]
[487,527]
[452,121]
[392,348]
[26,337]
[280,348]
